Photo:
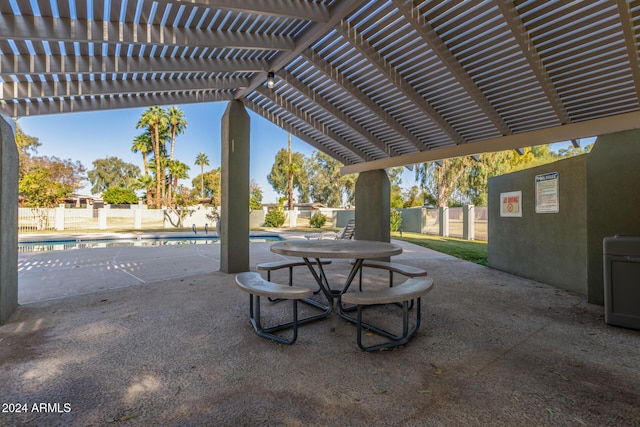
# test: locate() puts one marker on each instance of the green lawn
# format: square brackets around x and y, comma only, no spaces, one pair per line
[469,250]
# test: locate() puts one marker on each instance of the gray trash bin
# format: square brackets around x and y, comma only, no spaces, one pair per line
[622,281]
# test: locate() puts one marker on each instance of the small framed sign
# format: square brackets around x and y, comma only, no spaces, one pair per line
[511,203]
[547,200]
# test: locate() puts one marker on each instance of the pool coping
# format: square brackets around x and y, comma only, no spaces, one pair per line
[81,237]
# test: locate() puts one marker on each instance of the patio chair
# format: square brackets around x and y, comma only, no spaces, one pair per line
[346,233]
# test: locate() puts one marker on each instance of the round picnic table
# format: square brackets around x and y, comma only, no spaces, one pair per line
[359,250]
[345,249]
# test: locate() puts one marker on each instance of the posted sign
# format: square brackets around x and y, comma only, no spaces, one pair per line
[547,200]
[511,203]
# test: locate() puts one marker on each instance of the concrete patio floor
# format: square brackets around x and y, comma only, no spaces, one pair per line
[158,336]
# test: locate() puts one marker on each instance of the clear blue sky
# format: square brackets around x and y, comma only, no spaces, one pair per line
[88,136]
[95,135]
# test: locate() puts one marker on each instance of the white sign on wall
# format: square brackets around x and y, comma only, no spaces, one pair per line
[511,203]
[547,200]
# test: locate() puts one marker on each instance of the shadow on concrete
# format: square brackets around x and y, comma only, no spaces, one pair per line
[174,347]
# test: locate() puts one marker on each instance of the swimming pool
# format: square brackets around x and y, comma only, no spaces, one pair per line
[49,245]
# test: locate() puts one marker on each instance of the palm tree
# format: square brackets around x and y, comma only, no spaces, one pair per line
[202,160]
[155,119]
[146,181]
[143,144]
[177,125]
[177,171]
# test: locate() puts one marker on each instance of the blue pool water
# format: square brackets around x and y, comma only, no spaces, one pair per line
[109,242]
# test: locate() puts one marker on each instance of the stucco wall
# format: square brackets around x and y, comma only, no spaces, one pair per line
[599,197]
[613,199]
[413,220]
[8,219]
[373,212]
[548,247]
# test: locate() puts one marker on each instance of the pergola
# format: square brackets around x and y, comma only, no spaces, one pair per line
[359,80]
[373,84]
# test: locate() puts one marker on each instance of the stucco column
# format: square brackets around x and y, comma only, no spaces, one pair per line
[443,221]
[613,200]
[468,222]
[234,230]
[8,219]
[373,206]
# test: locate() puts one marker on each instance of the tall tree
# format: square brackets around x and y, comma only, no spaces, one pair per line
[27,147]
[533,156]
[41,190]
[255,196]
[482,168]
[146,182]
[143,143]
[281,171]
[64,171]
[466,178]
[412,198]
[112,172]
[292,169]
[575,151]
[442,178]
[326,184]
[210,182]
[177,125]
[177,171]
[202,160]
[395,179]
[155,120]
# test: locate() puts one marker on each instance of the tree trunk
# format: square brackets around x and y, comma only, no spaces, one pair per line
[156,152]
[144,163]
[173,142]
[201,181]
[446,184]
[290,178]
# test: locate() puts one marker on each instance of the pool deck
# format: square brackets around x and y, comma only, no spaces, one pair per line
[58,274]
[159,336]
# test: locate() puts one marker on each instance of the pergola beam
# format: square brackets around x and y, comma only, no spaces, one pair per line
[310,36]
[334,111]
[309,119]
[338,78]
[46,65]
[80,104]
[429,35]
[561,133]
[114,87]
[295,9]
[41,28]
[376,59]
[279,121]
[630,42]
[530,53]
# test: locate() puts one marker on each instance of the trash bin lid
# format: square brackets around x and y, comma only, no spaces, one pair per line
[621,245]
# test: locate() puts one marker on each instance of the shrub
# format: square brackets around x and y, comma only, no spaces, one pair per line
[274,218]
[119,196]
[396,220]
[317,220]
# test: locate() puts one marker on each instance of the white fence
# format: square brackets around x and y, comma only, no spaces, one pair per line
[107,218]
[468,222]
